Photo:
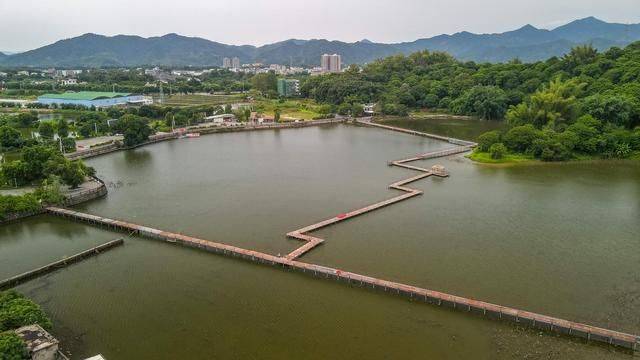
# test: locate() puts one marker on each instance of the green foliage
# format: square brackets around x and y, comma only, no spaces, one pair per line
[63,128]
[46,130]
[267,83]
[50,191]
[17,311]
[485,102]
[73,173]
[10,138]
[12,347]
[136,130]
[521,138]
[69,144]
[40,162]
[11,204]
[497,151]
[554,105]
[27,119]
[552,94]
[486,140]
[618,109]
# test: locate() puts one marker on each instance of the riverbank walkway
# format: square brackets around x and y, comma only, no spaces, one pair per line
[291,261]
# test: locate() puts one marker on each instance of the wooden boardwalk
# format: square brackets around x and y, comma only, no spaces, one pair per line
[291,261]
[29,275]
[312,242]
[419,294]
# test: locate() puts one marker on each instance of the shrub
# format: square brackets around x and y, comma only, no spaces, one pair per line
[17,311]
[487,139]
[12,347]
[497,151]
[521,138]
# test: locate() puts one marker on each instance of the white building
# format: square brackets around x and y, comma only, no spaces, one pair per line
[331,63]
[68,82]
[235,63]
[220,119]
[226,63]
[369,109]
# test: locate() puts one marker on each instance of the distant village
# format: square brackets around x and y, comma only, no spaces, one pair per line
[61,79]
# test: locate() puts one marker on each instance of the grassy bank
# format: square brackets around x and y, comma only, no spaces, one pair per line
[510,158]
[485,158]
[291,109]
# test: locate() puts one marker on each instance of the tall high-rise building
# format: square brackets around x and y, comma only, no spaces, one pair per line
[331,63]
[235,63]
[226,63]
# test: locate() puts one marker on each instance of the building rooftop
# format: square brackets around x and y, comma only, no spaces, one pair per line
[85,95]
[36,338]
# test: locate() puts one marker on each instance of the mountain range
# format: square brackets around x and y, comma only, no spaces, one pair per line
[527,44]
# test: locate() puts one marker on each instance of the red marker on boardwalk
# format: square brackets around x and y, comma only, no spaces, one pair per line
[341,216]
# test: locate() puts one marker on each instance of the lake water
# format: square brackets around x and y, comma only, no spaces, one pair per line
[559,239]
[452,126]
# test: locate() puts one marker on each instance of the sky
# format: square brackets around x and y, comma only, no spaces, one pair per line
[28,24]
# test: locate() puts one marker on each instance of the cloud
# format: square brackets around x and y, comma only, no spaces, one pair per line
[28,24]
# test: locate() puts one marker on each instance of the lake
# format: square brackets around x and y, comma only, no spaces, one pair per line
[559,239]
[465,128]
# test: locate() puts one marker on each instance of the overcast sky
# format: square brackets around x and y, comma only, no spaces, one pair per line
[27,24]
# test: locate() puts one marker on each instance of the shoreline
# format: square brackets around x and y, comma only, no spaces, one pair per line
[203,130]
[511,159]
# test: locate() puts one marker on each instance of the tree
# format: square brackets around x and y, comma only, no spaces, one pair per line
[521,138]
[40,161]
[63,128]
[357,110]
[10,138]
[15,173]
[135,129]
[486,102]
[68,144]
[46,130]
[555,104]
[276,116]
[27,119]
[265,82]
[497,151]
[587,131]
[486,140]
[73,174]
[617,109]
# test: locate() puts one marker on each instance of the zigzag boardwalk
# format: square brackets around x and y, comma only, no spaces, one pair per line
[430,296]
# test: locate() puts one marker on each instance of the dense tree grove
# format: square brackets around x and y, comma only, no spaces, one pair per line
[583,104]
[438,81]
[40,162]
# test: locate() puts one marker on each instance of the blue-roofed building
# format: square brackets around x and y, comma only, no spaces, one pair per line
[93,98]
